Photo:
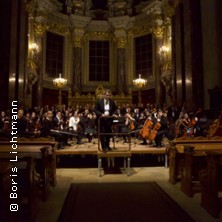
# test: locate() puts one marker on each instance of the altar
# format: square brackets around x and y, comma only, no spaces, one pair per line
[90,98]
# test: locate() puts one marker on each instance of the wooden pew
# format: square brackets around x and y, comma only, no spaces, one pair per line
[22,190]
[5,170]
[176,153]
[46,162]
[193,163]
[211,182]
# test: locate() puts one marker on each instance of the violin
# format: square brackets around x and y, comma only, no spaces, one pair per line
[146,129]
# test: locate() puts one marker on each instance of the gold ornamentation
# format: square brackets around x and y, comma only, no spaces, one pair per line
[39,29]
[99,91]
[32,75]
[77,41]
[31,64]
[121,42]
[167,82]
[62,29]
[158,32]
[100,35]
[166,68]
[139,30]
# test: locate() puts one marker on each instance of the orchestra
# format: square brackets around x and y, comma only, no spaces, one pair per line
[149,125]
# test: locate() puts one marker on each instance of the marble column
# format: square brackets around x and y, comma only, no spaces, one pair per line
[157,32]
[121,67]
[37,92]
[77,62]
[77,71]
[13,52]
[120,26]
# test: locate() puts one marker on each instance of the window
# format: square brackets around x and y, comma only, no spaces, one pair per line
[143,56]
[54,54]
[99,61]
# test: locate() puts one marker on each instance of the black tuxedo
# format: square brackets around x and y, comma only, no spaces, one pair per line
[105,123]
[100,107]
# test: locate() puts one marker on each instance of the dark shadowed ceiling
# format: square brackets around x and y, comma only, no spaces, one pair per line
[106,8]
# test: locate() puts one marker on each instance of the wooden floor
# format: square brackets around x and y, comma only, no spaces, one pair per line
[119,149]
[92,148]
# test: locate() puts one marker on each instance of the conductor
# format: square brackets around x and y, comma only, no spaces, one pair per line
[104,109]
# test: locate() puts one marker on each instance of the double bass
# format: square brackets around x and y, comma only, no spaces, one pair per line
[146,129]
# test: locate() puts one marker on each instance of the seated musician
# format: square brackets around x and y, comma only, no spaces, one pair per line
[5,126]
[146,124]
[75,126]
[34,125]
[91,126]
[50,123]
[181,124]
[162,119]
[128,125]
[21,124]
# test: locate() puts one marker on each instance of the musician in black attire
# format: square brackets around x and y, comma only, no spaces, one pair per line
[104,109]
[50,123]
[164,128]
[47,124]
[21,124]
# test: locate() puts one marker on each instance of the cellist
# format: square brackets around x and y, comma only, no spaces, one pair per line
[162,128]
[146,129]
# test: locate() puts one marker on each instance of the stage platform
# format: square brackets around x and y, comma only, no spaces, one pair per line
[91,148]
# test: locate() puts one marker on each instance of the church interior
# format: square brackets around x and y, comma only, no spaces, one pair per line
[161,55]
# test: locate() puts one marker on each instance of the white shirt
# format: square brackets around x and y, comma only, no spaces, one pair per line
[73,122]
[106,107]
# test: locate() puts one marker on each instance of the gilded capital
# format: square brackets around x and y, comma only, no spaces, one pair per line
[40,29]
[121,42]
[158,32]
[77,41]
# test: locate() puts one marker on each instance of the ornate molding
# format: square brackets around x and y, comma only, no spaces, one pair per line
[59,28]
[77,41]
[167,78]
[158,32]
[31,74]
[78,37]
[121,42]
[120,37]
[99,35]
[40,29]
[166,68]
[139,30]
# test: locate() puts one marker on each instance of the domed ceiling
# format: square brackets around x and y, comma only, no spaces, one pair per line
[103,9]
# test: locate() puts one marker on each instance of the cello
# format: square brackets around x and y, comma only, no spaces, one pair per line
[146,129]
[154,131]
